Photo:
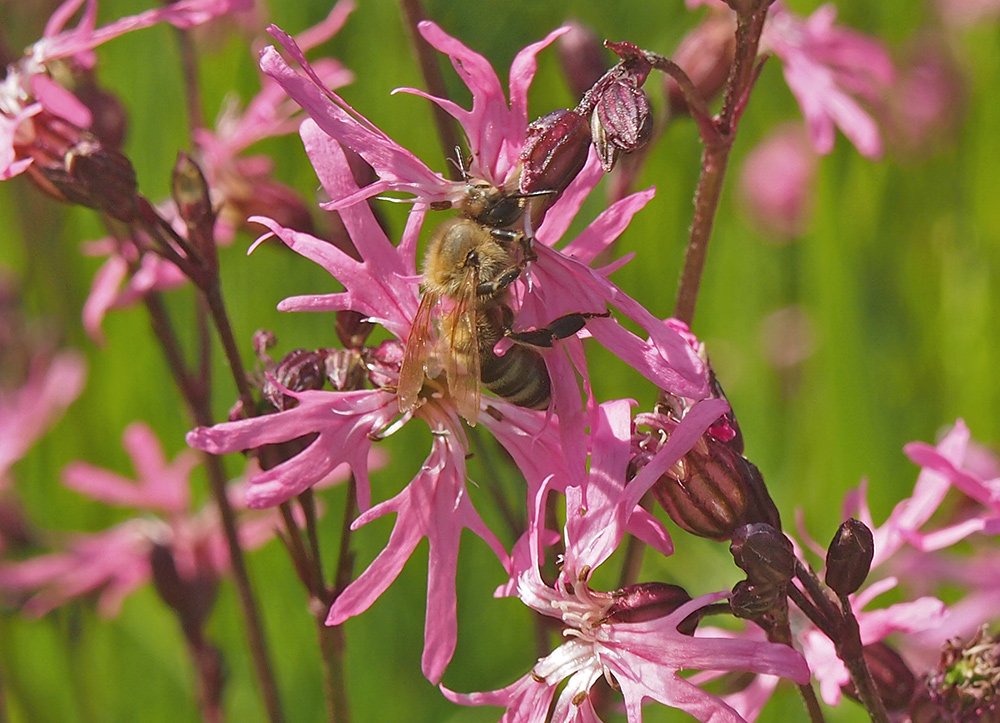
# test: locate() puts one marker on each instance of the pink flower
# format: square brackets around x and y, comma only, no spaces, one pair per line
[555,284]
[777,182]
[495,128]
[827,68]
[28,91]
[113,563]
[642,659]
[27,411]
[240,185]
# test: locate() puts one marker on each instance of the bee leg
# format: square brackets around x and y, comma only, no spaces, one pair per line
[561,328]
[492,289]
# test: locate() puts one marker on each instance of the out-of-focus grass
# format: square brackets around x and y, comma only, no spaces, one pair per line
[897,274]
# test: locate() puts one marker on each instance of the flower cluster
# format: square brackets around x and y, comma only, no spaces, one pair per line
[553,449]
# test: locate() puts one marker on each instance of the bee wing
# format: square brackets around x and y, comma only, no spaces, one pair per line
[419,343]
[462,360]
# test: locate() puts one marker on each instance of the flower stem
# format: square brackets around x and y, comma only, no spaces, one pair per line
[192,92]
[851,651]
[197,401]
[331,638]
[413,13]
[715,158]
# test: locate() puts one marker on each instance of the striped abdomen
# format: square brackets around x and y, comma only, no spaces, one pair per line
[519,376]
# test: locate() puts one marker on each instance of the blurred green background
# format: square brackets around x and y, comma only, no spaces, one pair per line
[896,279]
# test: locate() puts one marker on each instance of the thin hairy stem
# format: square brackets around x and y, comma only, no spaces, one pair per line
[715,158]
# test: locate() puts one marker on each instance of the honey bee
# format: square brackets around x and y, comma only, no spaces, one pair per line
[468,268]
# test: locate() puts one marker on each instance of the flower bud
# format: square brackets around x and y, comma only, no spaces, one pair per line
[301,369]
[645,601]
[705,55]
[965,685]
[71,165]
[352,328]
[764,554]
[620,113]
[622,121]
[750,600]
[344,370]
[555,151]
[194,206]
[893,678]
[581,55]
[849,557]
[192,599]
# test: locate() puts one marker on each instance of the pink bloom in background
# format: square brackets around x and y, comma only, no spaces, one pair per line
[642,659]
[777,182]
[28,91]
[830,69]
[241,185]
[113,563]
[27,411]
[964,13]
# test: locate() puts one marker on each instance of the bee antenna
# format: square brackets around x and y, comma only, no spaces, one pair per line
[533,194]
[459,162]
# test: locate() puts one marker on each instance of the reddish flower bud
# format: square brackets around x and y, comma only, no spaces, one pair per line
[71,165]
[620,114]
[554,152]
[191,599]
[751,600]
[645,601]
[849,557]
[764,554]
[301,369]
[352,329]
[893,678]
[705,55]
[581,55]
[622,122]
[344,369]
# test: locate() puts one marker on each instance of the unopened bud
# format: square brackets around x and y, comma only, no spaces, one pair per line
[352,328]
[750,600]
[344,370]
[191,599]
[705,55]
[194,205]
[849,557]
[622,121]
[620,113]
[645,601]
[73,166]
[704,494]
[555,151]
[966,684]
[893,678]
[764,554]
[301,369]
[581,55]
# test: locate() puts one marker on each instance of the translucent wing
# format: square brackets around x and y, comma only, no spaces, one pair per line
[461,359]
[419,344]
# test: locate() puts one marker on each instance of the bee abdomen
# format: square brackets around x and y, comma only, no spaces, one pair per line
[519,376]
